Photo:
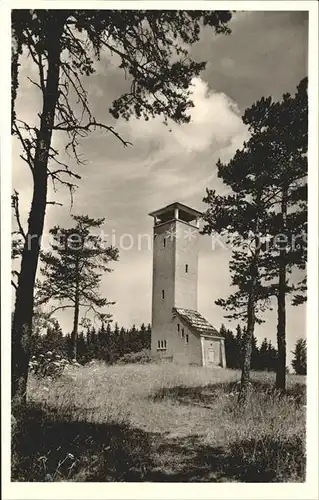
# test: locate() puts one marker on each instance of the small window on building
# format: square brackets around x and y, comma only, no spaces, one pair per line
[161,345]
[163,294]
[186,268]
[182,334]
[164,242]
[186,338]
[178,327]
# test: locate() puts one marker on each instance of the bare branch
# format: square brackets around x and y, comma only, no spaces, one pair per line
[93,124]
[57,308]
[38,62]
[54,203]
[14,284]
[62,171]
[29,160]
[34,83]
[15,206]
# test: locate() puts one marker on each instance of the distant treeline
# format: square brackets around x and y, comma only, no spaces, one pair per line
[108,344]
[262,358]
[111,343]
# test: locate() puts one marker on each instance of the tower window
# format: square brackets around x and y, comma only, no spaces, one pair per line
[158,344]
[186,338]
[163,294]
[178,328]
[164,242]
[186,268]
[183,333]
[164,344]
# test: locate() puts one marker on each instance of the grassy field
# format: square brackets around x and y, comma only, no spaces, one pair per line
[160,423]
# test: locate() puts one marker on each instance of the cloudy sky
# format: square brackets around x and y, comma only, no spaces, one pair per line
[266,54]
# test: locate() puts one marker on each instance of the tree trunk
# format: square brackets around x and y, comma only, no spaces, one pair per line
[247,347]
[22,319]
[251,319]
[74,335]
[281,305]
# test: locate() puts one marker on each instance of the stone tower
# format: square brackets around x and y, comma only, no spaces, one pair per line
[175,268]
[179,332]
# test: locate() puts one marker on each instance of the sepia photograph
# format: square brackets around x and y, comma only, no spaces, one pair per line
[159,243]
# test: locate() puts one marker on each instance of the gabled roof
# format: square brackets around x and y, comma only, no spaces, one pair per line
[197,322]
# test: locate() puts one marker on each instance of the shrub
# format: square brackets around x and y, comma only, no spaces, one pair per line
[141,357]
[47,365]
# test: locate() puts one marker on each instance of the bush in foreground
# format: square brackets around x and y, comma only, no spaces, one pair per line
[50,365]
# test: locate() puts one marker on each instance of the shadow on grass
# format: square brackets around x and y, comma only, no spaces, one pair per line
[263,458]
[53,447]
[50,446]
[244,461]
[205,396]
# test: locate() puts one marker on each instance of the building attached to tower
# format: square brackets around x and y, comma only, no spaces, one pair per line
[179,332]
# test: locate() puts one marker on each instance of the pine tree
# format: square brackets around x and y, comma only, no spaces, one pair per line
[54,338]
[82,348]
[284,126]
[267,179]
[106,344]
[142,337]
[92,344]
[263,362]
[68,344]
[73,270]
[231,349]
[255,363]
[299,362]
[119,335]
[133,339]
[149,336]
[272,358]
[241,214]
[41,321]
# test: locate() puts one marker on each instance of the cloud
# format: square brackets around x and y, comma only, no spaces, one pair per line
[215,119]
[266,54]
[177,161]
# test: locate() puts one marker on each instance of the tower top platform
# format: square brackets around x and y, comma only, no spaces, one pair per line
[177,211]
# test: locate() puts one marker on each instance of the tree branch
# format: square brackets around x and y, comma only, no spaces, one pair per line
[15,206]
[57,308]
[26,148]
[94,125]
[54,203]
[14,284]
